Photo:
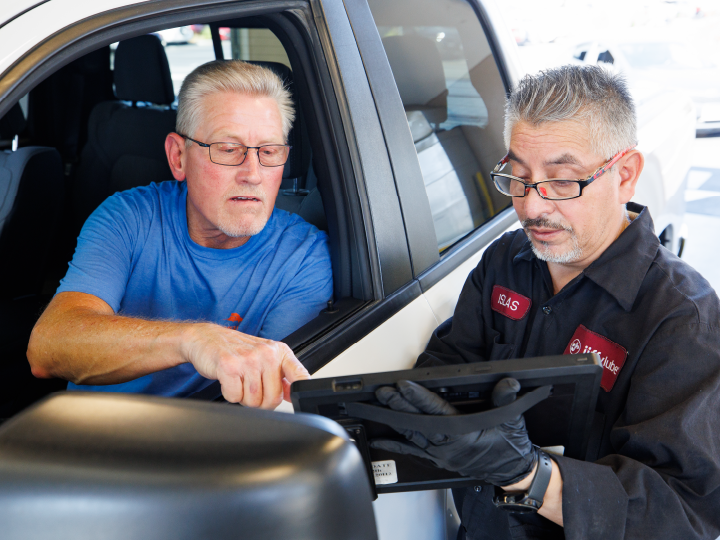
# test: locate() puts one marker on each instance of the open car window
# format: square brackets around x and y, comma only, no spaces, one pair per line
[453,96]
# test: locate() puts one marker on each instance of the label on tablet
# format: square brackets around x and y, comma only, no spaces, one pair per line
[384,472]
[509,303]
[612,355]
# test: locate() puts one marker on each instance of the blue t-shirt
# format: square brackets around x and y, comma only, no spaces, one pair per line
[135,253]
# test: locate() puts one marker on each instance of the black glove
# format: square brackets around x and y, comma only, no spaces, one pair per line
[501,455]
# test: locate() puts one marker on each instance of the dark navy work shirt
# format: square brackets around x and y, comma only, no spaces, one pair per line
[653,467]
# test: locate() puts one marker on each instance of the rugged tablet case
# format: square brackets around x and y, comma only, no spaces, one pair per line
[562,390]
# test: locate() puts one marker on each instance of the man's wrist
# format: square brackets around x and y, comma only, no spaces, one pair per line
[529,499]
[185,337]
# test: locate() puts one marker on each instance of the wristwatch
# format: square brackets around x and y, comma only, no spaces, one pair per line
[532,499]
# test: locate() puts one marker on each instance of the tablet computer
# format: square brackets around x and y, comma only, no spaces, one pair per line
[558,397]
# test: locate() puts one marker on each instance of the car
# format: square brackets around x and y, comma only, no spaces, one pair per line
[400,122]
[182,34]
[666,64]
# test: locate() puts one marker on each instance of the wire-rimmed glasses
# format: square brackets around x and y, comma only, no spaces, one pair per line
[234,154]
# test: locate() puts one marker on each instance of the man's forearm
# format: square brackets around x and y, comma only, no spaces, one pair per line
[86,343]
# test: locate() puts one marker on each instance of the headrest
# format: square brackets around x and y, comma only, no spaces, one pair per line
[142,72]
[298,161]
[281,70]
[418,71]
[13,123]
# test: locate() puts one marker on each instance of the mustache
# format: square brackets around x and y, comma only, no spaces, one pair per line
[545,224]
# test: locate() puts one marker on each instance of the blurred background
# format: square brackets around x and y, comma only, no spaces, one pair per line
[670,46]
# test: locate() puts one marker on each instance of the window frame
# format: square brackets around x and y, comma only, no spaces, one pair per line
[428,269]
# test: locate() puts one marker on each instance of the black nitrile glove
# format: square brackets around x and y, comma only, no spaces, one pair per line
[501,455]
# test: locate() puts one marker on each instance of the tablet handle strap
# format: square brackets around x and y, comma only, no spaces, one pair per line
[450,425]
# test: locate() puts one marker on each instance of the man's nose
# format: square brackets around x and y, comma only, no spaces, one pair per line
[534,205]
[250,171]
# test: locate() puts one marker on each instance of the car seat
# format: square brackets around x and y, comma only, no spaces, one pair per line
[298,191]
[459,197]
[31,199]
[126,137]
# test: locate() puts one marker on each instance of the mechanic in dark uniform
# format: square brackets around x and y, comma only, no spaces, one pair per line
[586,273]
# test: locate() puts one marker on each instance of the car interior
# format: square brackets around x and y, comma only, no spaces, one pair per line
[98,125]
[95,127]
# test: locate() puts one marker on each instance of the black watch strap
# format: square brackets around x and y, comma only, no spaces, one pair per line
[532,499]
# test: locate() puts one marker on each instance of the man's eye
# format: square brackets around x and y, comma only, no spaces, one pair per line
[562,183]
[227,149]
[269,150]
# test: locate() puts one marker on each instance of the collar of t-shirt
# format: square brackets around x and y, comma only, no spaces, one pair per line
[622,267]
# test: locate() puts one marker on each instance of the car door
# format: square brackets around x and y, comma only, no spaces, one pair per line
[441,152]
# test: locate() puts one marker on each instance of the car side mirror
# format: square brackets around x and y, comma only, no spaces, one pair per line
[113,466]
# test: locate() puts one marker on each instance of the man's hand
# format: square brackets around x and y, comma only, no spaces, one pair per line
[79,338]
[501,455]
[252,371]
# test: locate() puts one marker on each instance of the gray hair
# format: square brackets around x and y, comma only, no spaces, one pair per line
[588,94]
[230,76]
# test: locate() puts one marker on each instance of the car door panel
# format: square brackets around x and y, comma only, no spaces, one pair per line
[373,171]
[394,345]
[444,294]
[403,158]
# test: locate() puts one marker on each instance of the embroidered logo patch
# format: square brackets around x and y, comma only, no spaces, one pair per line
[612,355]
[509,303]
[235,321]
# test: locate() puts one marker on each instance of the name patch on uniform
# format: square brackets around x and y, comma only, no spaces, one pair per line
[509,303]
[612,355]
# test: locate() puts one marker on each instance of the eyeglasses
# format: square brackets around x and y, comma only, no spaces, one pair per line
[554,189]
[234,154]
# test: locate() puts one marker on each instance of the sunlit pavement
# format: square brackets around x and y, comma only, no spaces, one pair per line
[702,249]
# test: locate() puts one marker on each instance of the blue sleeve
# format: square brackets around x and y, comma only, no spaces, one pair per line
[102,261]
[306,294]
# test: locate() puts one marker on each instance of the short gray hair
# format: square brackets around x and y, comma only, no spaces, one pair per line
[230,76]
[589,94]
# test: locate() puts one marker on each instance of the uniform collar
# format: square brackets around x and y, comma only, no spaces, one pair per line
[621,269]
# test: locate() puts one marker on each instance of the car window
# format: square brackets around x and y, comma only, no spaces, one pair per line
[253,44]
[186,47]
[453,98]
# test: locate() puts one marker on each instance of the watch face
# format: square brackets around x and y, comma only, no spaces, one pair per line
[518,503]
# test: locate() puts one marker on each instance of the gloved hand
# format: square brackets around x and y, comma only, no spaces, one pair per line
[501,455]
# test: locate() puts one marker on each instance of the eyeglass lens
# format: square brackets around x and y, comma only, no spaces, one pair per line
[234,154]
[552,189]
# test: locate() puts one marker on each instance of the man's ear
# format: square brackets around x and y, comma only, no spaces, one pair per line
[175,151]
[629,169]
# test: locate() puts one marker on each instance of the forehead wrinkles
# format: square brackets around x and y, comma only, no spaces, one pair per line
[551,143]
[235,115]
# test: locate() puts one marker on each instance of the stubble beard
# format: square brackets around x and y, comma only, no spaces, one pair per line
[237,230]
[233,227]
[543,250]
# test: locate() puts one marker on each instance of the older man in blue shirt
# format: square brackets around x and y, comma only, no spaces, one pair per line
[176,284]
